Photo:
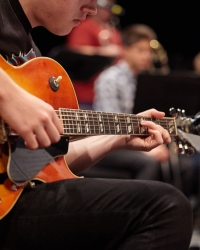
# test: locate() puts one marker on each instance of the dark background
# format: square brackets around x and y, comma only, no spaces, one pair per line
[176,23]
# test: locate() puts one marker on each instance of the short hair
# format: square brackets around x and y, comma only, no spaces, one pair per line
[137,32]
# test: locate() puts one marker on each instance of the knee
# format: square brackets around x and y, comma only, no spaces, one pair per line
[174,199]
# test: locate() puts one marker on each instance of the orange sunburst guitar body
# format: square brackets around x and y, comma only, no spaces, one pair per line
[34,77]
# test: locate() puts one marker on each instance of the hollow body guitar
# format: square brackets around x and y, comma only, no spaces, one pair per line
[46,79]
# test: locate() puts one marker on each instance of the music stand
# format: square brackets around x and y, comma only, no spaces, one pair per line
[162,92]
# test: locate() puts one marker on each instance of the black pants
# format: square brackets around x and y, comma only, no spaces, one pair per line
[99,214]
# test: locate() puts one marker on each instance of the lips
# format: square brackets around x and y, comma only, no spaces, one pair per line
[78,21]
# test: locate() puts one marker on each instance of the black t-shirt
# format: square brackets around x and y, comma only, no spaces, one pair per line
[16,44]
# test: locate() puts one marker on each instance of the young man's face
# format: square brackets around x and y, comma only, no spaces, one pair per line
[60,16]
[140,55]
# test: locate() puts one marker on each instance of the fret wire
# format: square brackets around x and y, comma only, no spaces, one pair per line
[64,120]
[96,122]
[138,123]
[130,128]
[87,128]
[112,127]
[121,117]
[82,117]
[69,115]
[71,122]
[87,123]
[98,116]
[111,130]
[118,127]
[67,122]
[92,127]
[102,127]
[125,123]
[79,127]
[103,114]
[74,121]
[100,124]
[108,123]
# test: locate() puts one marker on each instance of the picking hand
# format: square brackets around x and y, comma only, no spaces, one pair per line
[33,119]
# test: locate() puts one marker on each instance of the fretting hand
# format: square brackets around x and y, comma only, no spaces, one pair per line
[158,135]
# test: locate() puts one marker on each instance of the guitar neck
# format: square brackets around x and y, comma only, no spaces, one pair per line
[88,123]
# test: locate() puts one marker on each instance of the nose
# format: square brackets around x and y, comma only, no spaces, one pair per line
[90,9]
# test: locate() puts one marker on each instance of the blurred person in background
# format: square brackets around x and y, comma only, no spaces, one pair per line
[96,36]
[115,88]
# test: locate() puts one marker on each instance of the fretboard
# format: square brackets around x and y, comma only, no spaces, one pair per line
[86,123]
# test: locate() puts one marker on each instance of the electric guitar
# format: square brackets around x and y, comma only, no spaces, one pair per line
[19,166]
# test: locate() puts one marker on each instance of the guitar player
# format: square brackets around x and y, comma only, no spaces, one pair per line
[78,213]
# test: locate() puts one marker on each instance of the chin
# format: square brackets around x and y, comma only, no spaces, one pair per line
[61,31]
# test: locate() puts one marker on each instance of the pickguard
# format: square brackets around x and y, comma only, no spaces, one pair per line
[25,163]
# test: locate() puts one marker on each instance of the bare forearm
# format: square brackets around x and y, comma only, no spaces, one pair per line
[85,153]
